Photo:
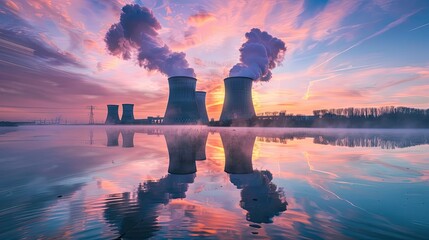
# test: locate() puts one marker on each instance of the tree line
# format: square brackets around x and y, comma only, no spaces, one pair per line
[383,117]
[370,112]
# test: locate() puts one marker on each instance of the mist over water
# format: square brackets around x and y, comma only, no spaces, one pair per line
[97,182]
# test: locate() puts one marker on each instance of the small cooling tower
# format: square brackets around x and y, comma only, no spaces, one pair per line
[201,105]
[238,148]
[112,114]
[238,103]
[127,114]
[182,106]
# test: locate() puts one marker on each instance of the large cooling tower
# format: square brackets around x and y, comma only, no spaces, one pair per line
[238,103]
[182,106]
[127,113]
[112,114]
[201,104]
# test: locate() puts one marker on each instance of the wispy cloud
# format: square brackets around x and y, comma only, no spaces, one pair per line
[421,26]
[311,83]
[53,52]
[383,30]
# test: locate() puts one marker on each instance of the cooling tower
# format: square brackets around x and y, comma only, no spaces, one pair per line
[238,148]
[201,105]
[112,114]
[238,99]
[182,106]
[181,146]
[127,113]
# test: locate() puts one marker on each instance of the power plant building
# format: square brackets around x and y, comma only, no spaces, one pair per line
[185,106]
[238,104]
[182,105]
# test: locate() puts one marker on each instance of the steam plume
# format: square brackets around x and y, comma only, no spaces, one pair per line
[258,56]
[137,31]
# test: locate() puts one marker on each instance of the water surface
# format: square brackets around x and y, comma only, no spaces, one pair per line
[83,182]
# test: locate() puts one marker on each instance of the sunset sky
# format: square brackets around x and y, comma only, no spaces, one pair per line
[54,61]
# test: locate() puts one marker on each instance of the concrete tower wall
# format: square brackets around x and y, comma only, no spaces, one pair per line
[112,114]
[182,106]
[201,104]
[238,104]
[127,113]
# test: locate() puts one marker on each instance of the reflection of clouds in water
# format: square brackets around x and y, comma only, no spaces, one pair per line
[136,216]
[259,196]
[339,176]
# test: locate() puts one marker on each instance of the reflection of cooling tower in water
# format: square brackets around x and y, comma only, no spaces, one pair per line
[177,185]
[112,114]
[201,142]
[182,148]
[182,106]
[201,104]
[127,138]
[137,217]
[259,196]
[238,102]
[127,113]
[238,148]
[112,137]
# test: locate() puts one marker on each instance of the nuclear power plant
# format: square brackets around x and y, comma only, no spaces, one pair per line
[186,106]
[238,104]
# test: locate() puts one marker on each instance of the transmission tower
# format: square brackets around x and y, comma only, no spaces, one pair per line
[91,114]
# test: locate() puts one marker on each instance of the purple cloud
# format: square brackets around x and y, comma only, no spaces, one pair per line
[259,55]
[137,31]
